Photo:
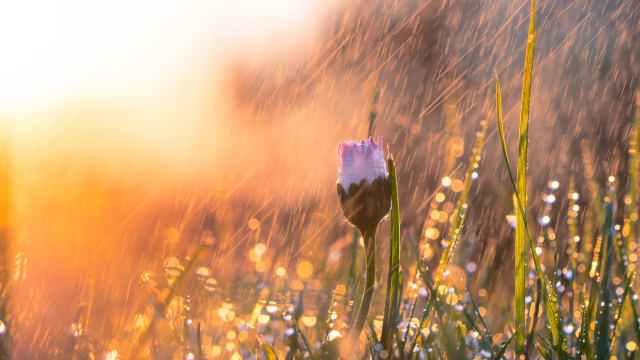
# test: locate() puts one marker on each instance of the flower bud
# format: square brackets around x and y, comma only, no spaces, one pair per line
[363,183]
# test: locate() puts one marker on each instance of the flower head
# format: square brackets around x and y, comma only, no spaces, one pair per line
[363,183]
[361,161]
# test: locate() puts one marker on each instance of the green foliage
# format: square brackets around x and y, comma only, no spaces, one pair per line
[521,211]
[393,300]
[199,343]
[551,305]
[267,349]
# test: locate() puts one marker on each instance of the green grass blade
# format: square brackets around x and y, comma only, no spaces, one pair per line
[393,280]
[534,319]
[584,330]
[504,348]
[449,339]
[473,164]
[551,306]
[523,149]
[625,294]
[593,296]
[267,350]
[543,352]
[631,216]
[605,300]
[624,273]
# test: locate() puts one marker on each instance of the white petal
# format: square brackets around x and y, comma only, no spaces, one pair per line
[360,161]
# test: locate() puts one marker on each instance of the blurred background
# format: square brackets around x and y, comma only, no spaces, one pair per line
[132,130]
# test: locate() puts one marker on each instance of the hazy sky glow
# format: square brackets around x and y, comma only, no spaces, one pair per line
[56,49]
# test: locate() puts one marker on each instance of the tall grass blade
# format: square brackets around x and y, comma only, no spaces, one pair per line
[625,294]
[605,301]
[593,297]
[504,348]
[631,216]
[594,216]
[523,149]
[551,305]
[473,163]
[199,343]
[534,319]
[624,273]
[584,329]
[393,280]
[267,350]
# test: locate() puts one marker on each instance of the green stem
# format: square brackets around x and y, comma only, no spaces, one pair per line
[369,236]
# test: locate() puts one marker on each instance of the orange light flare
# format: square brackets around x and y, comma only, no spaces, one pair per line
[123,127]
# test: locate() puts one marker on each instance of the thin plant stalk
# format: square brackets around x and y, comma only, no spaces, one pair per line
[369,236]
[393,282]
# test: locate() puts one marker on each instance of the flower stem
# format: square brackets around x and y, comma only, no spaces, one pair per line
[369,236]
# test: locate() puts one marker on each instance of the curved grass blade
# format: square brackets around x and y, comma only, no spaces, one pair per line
[543,352]
[506,346]
[267,350]
[523,150]
[550,302]
[199,343]
[625,294]
[393,279]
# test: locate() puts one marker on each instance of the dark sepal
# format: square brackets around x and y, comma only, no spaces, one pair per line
[366,204]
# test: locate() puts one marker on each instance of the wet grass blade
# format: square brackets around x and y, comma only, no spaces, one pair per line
[624,273]
[543,352]
[296,327]
[593,296]
[551,305]
[605,300]
[199,343]
[625,294]
[523,149]
[393,279]
[534,320]
[267,350]
[462,201]
[448,339]
[584,330]
[631,216]
[506,346]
